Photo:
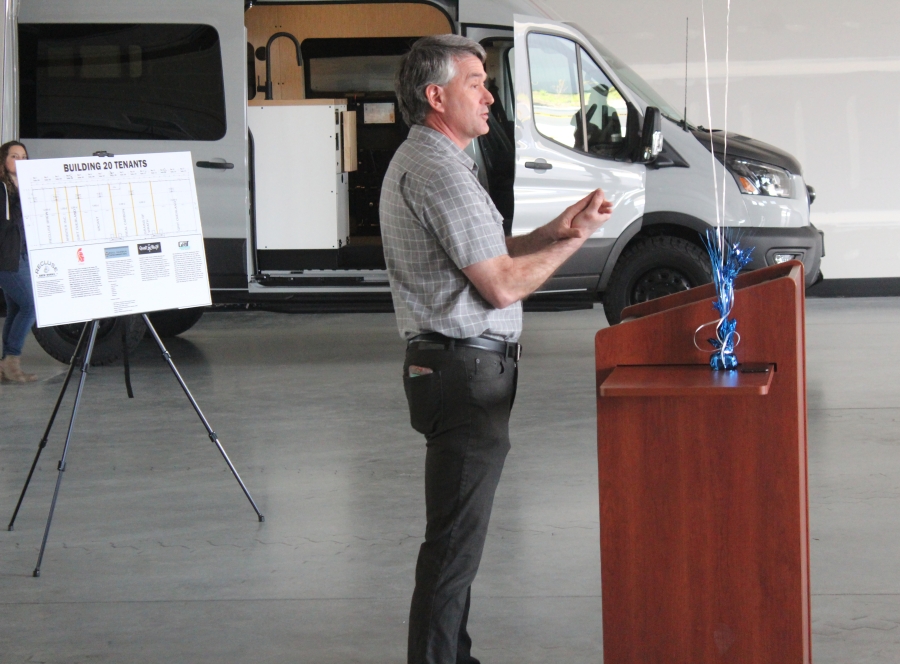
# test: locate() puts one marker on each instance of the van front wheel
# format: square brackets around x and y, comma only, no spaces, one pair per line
[653,267]
[59,341]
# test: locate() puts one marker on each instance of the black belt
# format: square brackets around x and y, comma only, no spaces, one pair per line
[505,348]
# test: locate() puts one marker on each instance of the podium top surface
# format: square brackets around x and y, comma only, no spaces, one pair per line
[684,381]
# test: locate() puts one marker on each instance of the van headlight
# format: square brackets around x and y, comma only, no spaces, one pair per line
[758,179]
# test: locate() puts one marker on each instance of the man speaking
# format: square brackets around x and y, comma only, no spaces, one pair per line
[457,285]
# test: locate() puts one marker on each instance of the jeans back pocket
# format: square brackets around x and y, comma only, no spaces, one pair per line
[426,401]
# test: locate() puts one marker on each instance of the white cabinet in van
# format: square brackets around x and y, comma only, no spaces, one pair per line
[301,203]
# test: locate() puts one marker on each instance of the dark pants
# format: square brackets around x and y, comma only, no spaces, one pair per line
[19,307]
[463,410]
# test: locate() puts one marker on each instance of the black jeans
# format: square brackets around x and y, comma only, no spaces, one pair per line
[463,411]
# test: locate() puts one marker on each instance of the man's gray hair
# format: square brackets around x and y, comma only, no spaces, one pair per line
[431,61]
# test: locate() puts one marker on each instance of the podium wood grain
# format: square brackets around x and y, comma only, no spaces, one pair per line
[703,485]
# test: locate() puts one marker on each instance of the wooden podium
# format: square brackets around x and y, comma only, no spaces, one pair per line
[704,531]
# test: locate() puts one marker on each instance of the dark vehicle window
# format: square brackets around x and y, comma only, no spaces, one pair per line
[154,82]
[361,66]
[361,73]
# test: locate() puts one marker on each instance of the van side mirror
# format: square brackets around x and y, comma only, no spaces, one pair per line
[651,136]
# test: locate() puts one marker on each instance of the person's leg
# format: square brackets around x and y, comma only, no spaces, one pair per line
[24,317]
[468,403]
[463,640]
[19,320]
[499,415]
[12,310]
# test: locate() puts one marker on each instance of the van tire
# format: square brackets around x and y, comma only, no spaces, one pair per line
[172,322]
[59,341]
[653,267]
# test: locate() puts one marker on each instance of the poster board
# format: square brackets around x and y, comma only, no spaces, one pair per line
[111,236]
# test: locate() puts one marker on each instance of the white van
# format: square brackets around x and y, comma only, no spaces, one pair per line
[289,112]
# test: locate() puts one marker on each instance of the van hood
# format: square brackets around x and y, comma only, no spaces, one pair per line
[747,148]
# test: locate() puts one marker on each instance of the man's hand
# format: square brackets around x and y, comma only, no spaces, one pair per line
[581,219]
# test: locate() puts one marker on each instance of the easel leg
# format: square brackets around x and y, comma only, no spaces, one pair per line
[212,434]
[85,363]
[43,443]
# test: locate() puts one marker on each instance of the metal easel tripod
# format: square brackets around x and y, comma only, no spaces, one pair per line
[83,350]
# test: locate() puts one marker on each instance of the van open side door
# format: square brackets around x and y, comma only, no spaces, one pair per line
[572,128]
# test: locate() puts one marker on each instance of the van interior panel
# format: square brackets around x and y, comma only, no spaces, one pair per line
[401,19]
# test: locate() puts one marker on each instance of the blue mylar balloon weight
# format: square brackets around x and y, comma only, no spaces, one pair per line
[727,259]
[721,362]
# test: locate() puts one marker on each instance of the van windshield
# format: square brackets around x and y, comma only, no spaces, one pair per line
[630,78]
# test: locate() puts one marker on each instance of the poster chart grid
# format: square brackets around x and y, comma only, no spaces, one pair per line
[111,236]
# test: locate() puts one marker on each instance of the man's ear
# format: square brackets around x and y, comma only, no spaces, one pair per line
[435,96]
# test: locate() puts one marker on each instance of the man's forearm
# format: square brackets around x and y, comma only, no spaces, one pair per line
[522,245]
[533,258]
[529,271]
[508,279]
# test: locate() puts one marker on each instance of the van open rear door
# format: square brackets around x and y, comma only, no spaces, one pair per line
[131,77]
[572,136]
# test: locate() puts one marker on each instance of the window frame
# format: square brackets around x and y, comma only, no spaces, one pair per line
[510,78]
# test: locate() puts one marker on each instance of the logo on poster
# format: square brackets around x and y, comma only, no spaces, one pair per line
[116,252]
[80,255]
[184,245]
[46,269]
[149,248]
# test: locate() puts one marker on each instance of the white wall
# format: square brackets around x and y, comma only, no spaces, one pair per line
[818,78]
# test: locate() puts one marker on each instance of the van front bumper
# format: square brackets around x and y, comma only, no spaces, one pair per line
[804,243]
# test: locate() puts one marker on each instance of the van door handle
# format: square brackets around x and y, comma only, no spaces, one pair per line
[539,165]
[221,165]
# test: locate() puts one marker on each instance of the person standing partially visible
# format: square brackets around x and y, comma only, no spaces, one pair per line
[15,271]
[457,285]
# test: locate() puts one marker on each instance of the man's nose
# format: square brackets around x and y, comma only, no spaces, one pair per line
[488,97]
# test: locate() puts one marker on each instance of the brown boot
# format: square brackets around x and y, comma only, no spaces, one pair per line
[12,372]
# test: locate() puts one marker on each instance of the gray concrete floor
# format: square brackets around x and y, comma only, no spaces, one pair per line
[156,556]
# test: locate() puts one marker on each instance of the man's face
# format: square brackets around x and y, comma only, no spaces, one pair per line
[466,102]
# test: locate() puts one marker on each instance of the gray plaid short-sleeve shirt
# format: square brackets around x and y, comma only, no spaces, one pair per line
[436,219]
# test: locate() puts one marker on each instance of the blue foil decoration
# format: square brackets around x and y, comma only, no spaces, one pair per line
[728,259]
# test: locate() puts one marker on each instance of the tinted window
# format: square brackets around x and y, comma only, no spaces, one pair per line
[361,66]
[359,73]
[632,80]
[605,111]
[155,82]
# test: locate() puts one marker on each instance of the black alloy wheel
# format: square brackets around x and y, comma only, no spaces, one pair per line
[653,267]
[658,282]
